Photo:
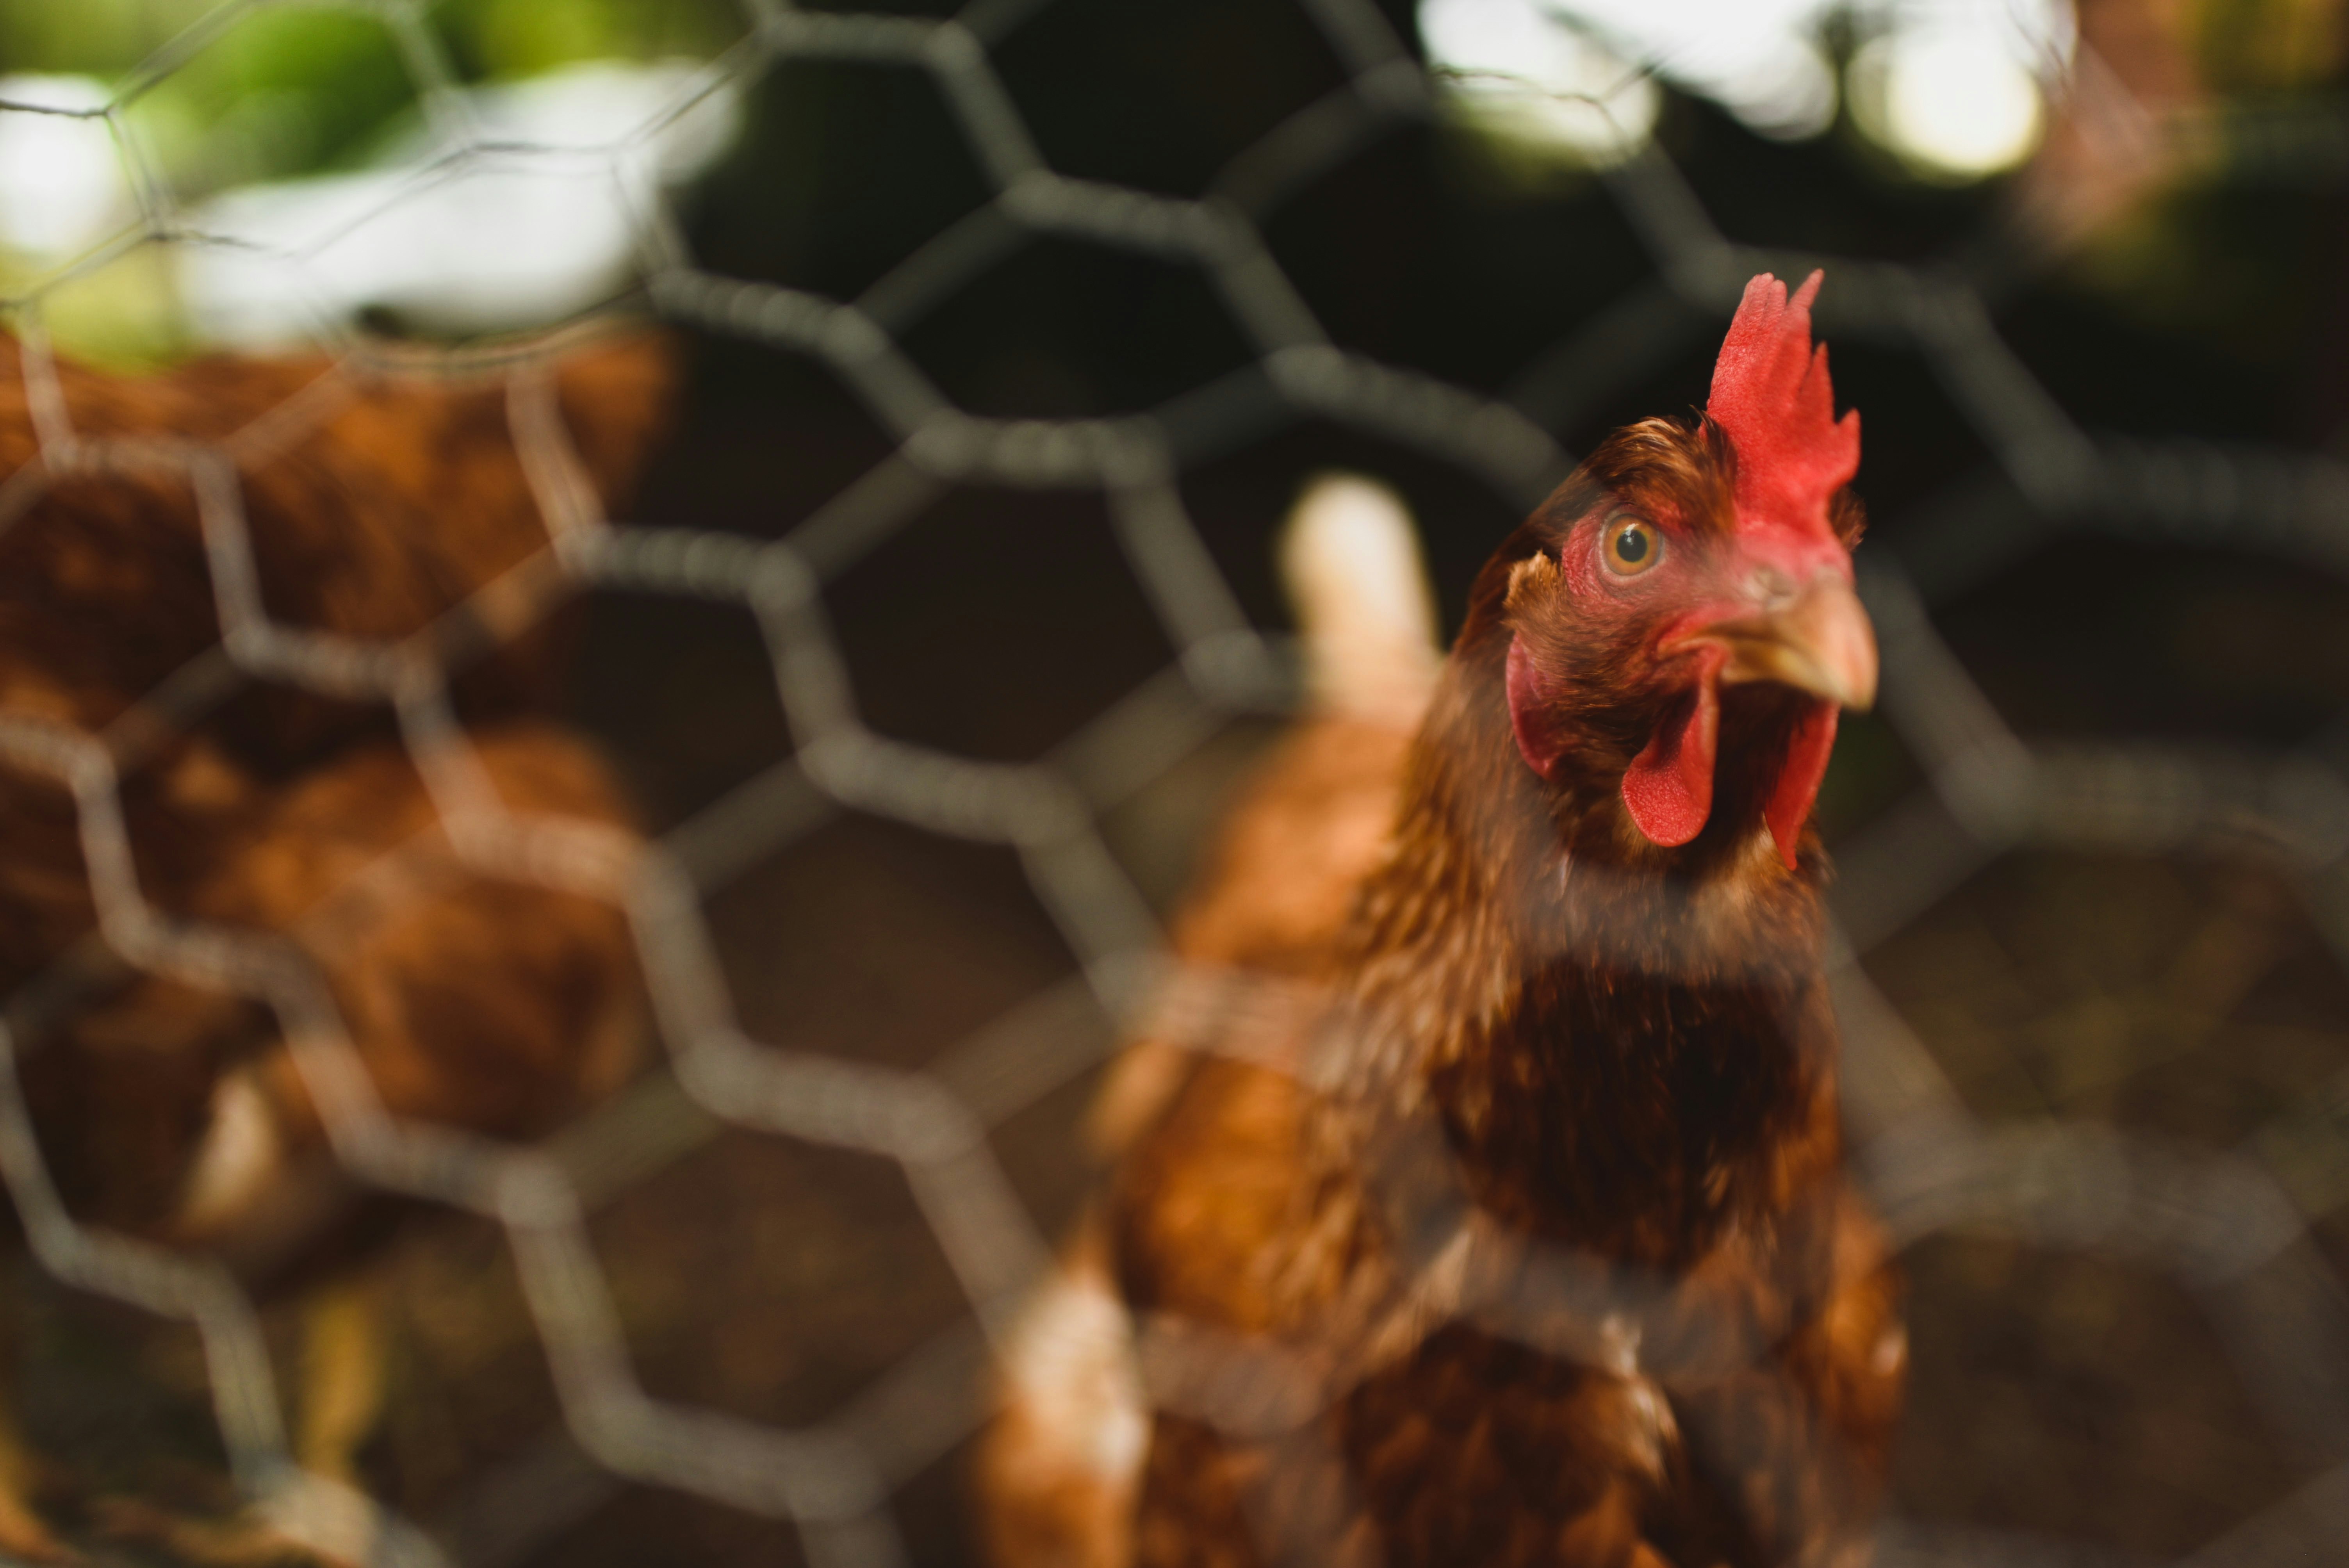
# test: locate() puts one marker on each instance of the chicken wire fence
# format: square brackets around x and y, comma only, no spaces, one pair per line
[2232,1227]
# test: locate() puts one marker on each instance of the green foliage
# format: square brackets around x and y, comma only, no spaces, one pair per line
[292,88]
[282,92]
[217,94]
[493,38]
[94,37]
[2266,45]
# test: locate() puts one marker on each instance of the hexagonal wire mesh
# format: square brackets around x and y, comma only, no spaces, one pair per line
[2222,1224]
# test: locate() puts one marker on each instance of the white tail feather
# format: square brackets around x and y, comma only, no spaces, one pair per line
[1350,556]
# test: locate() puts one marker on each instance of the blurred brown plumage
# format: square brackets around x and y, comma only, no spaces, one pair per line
[1518,1235]
[373,502]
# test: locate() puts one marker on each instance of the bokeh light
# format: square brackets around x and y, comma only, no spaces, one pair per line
[61,185]
[1760,59]
[1524,73]
[1952,88]
[538,232]
[1953,103]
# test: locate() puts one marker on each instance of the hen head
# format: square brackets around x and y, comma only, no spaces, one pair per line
[1681,627]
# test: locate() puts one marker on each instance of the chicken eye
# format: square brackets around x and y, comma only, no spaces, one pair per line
[1632,545]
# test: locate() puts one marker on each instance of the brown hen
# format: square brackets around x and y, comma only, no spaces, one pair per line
[209,578]
[1494,1213]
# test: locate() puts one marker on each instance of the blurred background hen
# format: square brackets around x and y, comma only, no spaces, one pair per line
[174,1108]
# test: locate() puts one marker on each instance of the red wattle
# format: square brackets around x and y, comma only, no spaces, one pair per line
[1668,789]
[1798,780]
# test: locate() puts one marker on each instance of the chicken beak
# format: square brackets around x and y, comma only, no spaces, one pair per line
[1820,642]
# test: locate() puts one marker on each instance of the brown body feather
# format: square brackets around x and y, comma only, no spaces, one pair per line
[372,505]
[1541,1209]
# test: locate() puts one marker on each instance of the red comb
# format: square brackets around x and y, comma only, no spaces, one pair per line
[1771,393]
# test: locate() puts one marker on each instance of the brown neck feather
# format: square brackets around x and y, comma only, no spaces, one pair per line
[1628,1049]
